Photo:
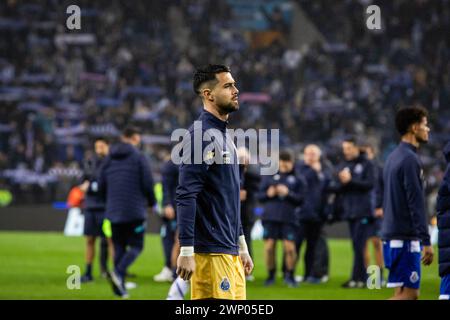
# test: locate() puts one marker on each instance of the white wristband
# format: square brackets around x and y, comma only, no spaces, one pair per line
[186,251]
[242,245]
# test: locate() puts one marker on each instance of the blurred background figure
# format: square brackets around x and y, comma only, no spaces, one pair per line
[377,201]
[443,210]
[281,195]
[250,180]
[127,185]
[169,176]
[94,211]
[356,176]
[312,213]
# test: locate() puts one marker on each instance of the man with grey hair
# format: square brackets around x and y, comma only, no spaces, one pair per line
[312,215]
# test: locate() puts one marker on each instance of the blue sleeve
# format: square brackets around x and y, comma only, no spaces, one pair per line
[415,198]
[191,180]
[169,174]
[147,181]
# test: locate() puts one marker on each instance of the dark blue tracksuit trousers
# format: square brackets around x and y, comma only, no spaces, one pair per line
[359,232]
[168,230]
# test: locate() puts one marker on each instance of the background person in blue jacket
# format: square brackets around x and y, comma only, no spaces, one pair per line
[405,227]
[169,174]
[250,180]
[311,215]
[356,181]
[127,184]
[377,201]
[94,211]
[281,195]
[443,218]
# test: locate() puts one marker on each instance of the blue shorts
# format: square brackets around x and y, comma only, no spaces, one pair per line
[402,258]
[93,223]
[445,288]
[279,230]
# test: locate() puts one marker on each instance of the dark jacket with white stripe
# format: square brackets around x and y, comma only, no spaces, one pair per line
[404,199]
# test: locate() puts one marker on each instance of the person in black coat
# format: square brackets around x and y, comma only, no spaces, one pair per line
[94,210]
[356,182]
[281,194]
[377,198]
[312,214]
[443,218]
[169,176]
[126,183]
[250,180]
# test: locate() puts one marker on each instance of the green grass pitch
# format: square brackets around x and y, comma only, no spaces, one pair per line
[33,266]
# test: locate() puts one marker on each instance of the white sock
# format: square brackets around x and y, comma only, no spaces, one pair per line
[178,289]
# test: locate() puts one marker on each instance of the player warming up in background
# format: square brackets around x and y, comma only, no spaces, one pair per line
[404,229]
[213,252]
[94,211]
[127,184]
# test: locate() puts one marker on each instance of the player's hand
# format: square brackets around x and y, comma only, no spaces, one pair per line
[243,195]
[84,186]
[316,166]
[345,176]
[247,263]
[282,190]
[379,213]
[271,192]
[185,267]
[427,255]
[169,212]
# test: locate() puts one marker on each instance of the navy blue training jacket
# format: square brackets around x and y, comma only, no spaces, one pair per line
[313,208]
[404,199]
[443,218]
[282,209]
[356,196]
[208,204]
[127,184]
[93,199]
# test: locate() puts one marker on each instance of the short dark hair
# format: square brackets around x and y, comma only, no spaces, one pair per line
[207,74]
[352,139]
[103,139]
[286,155]
[130,131]
[406,117]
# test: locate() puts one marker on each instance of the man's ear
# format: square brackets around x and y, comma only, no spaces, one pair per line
[414,127]
[206,94]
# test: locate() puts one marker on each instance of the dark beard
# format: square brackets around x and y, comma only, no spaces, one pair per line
[420,140]
[228,108]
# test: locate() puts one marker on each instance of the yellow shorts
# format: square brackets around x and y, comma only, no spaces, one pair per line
[218,276]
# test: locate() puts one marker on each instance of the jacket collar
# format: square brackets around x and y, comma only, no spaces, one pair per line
[408,146]
[216,122]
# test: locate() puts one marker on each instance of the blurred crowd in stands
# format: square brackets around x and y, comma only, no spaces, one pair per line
[132,63]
